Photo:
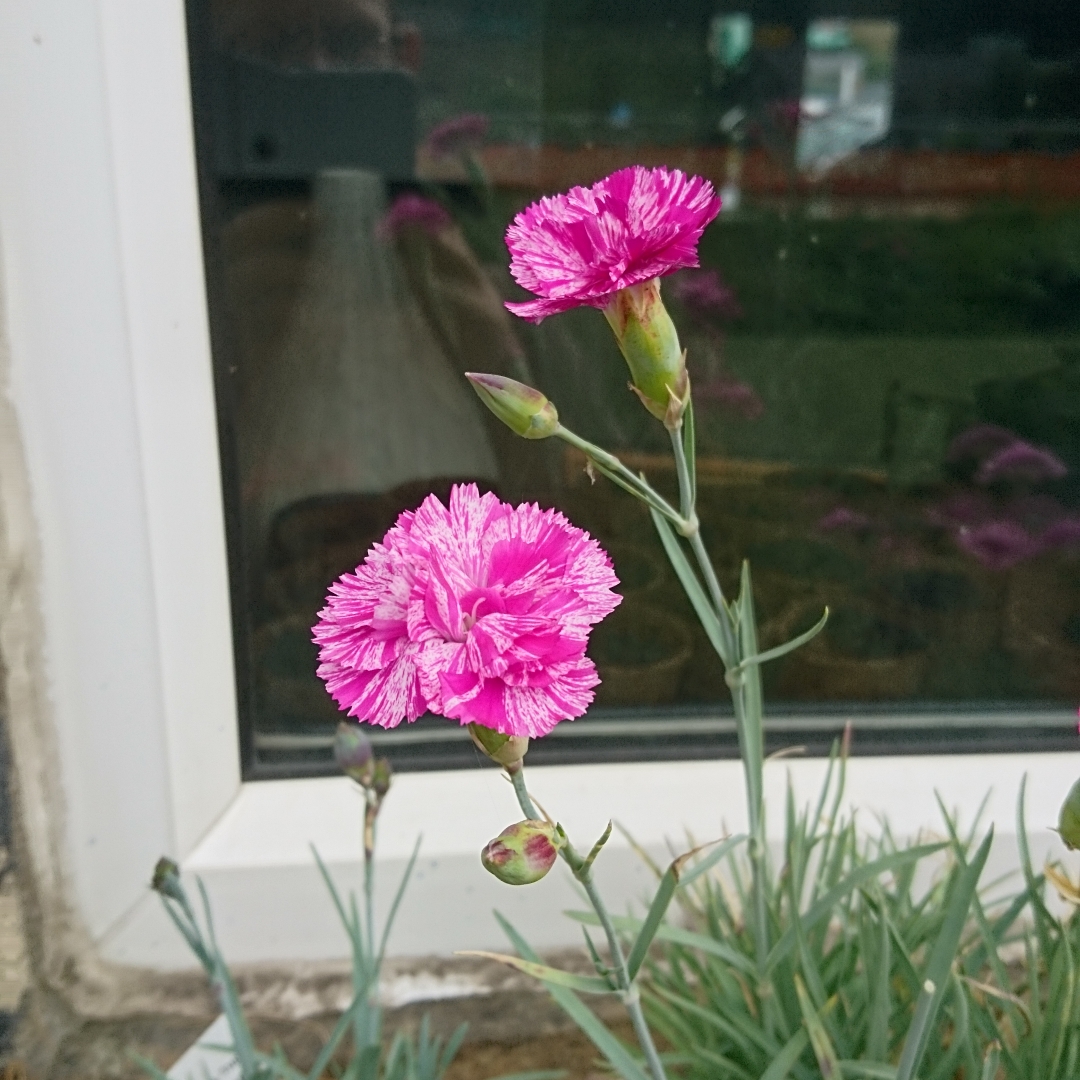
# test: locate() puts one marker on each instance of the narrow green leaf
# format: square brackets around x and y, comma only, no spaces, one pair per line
[642,492]
[618,1056]
[707,615]
[450,1051]
[722,849]
[991,1061]
[350,928]
[690,448]
[340,1028]
[824,1052]
[745,1032]
[877,1026]
[148,1066]
[658,908]
[751,733]
[536,1074]
[596,849]
[785,1061]
[859,1069]
[940,963]
[392,914]
[584,984]
[677,936]
[824,907]
[788,646]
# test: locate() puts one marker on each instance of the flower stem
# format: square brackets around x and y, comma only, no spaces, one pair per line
[748,722]
[616,471]
[582,870]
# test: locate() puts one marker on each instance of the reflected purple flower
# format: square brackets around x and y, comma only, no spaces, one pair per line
[998,544]
[458,135]
[1021,461]
[705,294]
[1035,511]
[738,396]
[1064,533]
[979,442]
[963,508]
[843,518]
[411,209]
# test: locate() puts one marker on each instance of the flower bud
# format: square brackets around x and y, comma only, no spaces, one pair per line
[1069,818]
[353,753]
[522,409]
[380,777]
[506,750]
[650,345]
[166,879]
[523,853]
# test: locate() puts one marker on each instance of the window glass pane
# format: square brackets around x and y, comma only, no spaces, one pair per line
[883,340]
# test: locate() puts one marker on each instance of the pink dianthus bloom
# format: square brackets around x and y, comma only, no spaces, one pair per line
[479,612]
[583,247]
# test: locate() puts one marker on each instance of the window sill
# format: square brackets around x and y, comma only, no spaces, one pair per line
[271,906]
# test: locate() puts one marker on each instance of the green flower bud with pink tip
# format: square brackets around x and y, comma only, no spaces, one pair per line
[650,345]
[523,853]
[522,409]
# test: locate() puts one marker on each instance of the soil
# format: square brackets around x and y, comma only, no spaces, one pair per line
[568,1050]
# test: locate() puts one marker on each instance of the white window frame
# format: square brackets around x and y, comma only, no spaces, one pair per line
[111,385]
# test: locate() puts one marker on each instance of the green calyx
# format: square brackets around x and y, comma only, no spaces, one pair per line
[650,345]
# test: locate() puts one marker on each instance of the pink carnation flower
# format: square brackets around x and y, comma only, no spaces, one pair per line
[412,209]
[479,612]
[583,247]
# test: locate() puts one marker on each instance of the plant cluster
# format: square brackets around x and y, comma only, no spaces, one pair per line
[847,956]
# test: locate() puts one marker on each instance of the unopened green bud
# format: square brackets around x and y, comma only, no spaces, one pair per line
[522,409]
[507,750]
[380,777]
[166,879]
[1069,819]
[523,853]
[650,345]
[353,753]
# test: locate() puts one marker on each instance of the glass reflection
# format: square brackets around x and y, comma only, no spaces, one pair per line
[883,336]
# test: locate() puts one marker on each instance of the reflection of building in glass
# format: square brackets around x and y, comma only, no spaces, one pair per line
[847,89]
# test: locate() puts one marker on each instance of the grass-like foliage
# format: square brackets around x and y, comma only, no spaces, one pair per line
[423,1057]
[857,975]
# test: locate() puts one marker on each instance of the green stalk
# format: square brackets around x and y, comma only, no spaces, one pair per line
[748,721]
[582,870]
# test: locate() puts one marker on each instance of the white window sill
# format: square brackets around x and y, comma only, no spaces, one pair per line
[270,904]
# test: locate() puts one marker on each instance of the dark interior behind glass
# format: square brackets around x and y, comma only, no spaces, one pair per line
[884,343]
